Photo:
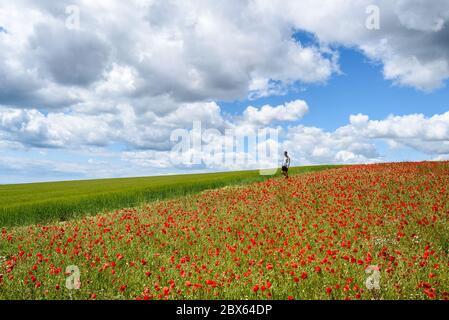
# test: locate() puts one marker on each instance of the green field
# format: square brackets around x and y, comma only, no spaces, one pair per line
[24,204]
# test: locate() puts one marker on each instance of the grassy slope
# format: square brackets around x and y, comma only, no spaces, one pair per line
[58,201]
[311,238]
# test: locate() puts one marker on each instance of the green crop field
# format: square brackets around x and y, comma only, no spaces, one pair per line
[24,204]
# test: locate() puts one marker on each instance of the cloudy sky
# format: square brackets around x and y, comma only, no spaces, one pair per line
[101,98]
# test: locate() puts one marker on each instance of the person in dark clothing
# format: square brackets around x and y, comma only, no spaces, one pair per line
[286,165]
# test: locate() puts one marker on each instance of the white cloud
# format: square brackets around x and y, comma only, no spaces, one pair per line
[413,126]
[411,41]
[55,130]
[410,71]
[33,128]
[357,141]
[122,124]
[192,51]
[352,143]
[290,111]
[309,145]
[429,135]
[138,70]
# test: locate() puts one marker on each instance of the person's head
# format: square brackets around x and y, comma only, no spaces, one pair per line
[286,153]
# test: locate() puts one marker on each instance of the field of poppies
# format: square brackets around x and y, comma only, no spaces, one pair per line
[25,204]
[359,232]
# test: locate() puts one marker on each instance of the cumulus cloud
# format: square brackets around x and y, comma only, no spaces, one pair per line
[357,141]
[290,111]
[414,126]
[410,43]
[75,58]
[310,145]
[32,128]
[190,51]
[426,134]
[208,50]
[55,130]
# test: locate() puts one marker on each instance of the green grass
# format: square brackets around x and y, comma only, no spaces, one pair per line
[25,204]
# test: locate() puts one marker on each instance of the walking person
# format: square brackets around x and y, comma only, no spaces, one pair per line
[286,165]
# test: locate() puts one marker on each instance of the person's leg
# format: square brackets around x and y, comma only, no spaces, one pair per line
[284,172]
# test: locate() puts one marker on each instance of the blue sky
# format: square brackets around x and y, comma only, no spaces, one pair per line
[80,100]
[360,88]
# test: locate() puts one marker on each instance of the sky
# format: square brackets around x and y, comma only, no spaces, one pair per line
[97,89]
